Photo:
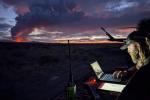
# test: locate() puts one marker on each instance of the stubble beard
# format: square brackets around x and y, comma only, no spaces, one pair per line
[135,57]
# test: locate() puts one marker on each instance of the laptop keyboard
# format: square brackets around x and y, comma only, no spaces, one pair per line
[109,77]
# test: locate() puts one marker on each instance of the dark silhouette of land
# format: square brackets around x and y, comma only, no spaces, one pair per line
[39,71]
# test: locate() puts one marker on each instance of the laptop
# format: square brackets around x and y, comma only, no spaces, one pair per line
[111,87]
[101,75]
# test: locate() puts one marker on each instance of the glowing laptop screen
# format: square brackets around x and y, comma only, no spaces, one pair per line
[97,69]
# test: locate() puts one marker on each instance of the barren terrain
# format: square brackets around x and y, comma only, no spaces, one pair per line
[39,71]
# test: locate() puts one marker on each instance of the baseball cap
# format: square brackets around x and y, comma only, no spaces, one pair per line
[134,36]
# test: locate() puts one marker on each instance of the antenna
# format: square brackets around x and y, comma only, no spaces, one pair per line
[71,88]
[70,67]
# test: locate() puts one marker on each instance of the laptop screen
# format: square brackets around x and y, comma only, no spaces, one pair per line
[97,69]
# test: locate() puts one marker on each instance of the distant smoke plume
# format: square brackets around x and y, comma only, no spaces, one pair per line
[43,13]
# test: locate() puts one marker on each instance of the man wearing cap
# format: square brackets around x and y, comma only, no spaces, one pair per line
[138,87]
[137,45]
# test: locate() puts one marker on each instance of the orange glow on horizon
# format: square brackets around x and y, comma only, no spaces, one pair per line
[21,39]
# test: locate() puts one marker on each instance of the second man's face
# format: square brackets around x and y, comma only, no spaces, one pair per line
[133,52]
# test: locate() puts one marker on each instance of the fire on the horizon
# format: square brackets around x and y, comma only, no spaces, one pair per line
[20,39]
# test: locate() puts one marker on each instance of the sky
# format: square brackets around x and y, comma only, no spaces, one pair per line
[77,20]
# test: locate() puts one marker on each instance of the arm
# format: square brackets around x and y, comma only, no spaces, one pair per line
[125,73]
[131,71]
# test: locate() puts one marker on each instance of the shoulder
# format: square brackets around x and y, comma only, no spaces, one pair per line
[139,82]
[144,70]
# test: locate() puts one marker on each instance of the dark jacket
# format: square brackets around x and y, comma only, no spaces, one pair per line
[138,87]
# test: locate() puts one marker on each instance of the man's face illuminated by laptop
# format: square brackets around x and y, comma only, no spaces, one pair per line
[133,52]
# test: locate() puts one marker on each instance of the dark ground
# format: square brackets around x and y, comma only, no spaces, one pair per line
[38,71]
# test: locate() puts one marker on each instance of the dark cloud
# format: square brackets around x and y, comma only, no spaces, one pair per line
[128,19]
[15,2]
[2,19]
[4,26]
[45,13]
[2,33]
[76,15]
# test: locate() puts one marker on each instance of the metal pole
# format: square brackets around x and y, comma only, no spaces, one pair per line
[71,88]
[70,67]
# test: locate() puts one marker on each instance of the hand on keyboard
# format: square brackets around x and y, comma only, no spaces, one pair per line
[119,74]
